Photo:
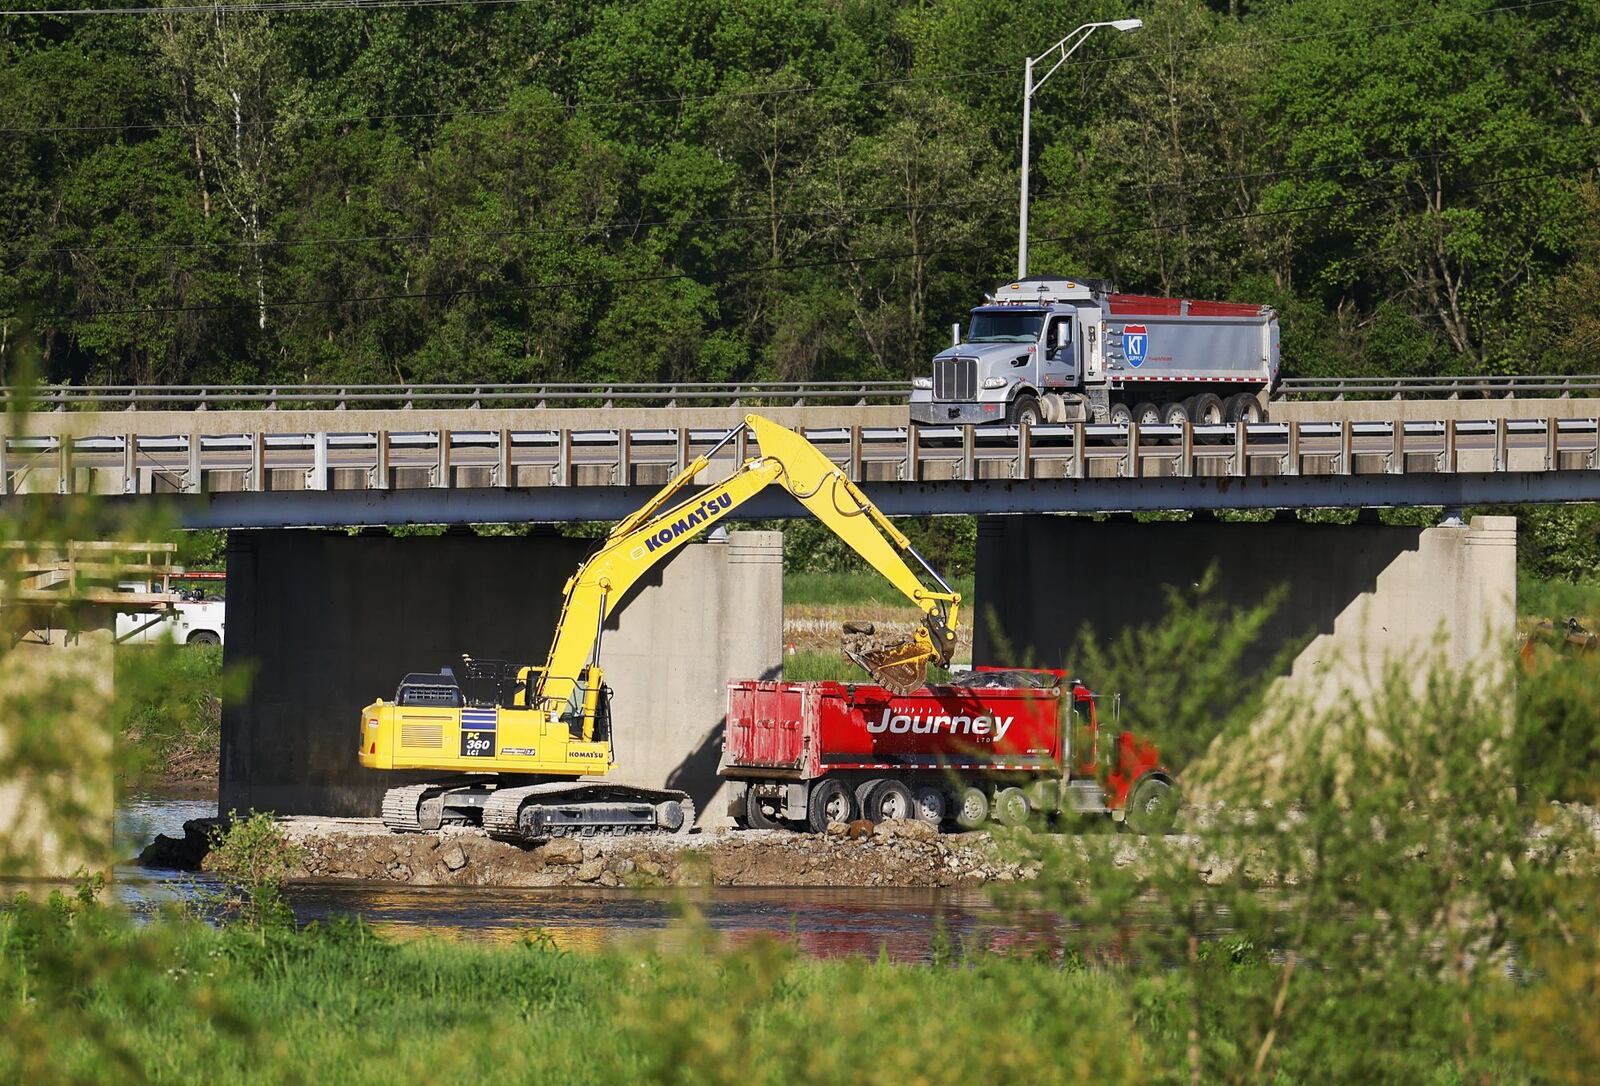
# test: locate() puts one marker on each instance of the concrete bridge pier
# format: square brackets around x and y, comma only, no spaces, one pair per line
[1360,596]
[325,622]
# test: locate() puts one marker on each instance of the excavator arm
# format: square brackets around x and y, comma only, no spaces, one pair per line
[669,520]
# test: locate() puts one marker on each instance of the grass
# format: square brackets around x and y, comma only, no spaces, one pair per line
[169,708]
[1558,599]
[91,997]
[854,589]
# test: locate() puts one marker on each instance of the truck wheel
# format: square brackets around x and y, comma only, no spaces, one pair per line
[1024,411]
[1153,807]
[1120,414]
[974,809]
[761,812]
[829,802]
[1207,409]
[862,791]
[1147,414]
[1242,408]
[929,805]
[891,799]
[1175,413]
[1011,807]
[203,637]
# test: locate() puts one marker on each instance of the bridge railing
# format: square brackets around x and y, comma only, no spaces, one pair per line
[467,396]
[685,394]
[1404,388]
[516,458]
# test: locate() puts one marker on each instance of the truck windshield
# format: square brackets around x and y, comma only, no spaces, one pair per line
[992,327]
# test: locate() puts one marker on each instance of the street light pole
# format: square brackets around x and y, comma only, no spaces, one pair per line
[1076,38]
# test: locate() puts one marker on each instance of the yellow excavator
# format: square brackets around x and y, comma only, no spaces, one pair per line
[520,738]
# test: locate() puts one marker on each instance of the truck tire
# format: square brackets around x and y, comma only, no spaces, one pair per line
[1147,414]
[972,809]
[830,801]
[1011,807]
[890,799]
[1153,807]
[1207,409]
[203,637]
[756,816]
[1119,414]
[929,805]
[1242,408]
[1175,413]
[1024,411]
[862,790]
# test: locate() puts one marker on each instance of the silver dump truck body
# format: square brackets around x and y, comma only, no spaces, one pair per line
[1052,350]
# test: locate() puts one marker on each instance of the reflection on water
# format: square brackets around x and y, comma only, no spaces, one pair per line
[904,924]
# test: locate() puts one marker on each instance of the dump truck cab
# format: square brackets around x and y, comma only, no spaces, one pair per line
[1023,350]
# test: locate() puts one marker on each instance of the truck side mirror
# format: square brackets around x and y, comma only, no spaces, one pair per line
[955,335]
[1063,333]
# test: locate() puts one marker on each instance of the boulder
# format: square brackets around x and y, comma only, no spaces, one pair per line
[454,858]
[562,850]
[909,829]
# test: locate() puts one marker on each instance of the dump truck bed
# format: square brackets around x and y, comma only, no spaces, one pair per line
[802,730]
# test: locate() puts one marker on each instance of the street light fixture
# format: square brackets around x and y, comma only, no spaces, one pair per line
[1064,48]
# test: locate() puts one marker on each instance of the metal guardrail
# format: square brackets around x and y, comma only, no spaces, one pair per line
[258,462]
[1404,388]
[642,394]
[461,396]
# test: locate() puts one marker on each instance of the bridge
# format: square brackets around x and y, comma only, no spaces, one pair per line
[257,457]
[303,606]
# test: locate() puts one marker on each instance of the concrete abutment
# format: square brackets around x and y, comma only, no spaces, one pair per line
[324,622]
[1358,597]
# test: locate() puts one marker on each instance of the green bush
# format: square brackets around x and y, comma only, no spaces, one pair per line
[253,860]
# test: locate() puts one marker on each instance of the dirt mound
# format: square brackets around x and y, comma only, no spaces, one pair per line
[362,849]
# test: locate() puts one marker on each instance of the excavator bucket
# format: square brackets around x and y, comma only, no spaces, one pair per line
[901,668]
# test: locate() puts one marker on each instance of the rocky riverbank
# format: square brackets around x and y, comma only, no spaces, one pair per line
[894,853]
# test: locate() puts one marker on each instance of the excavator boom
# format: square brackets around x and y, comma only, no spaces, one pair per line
[661,526]
[551,724]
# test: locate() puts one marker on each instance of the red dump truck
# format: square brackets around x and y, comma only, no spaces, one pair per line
[1001,743]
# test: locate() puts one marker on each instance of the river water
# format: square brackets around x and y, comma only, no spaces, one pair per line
[903,924]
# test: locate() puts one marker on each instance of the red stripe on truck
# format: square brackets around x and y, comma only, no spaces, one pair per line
[1144,305]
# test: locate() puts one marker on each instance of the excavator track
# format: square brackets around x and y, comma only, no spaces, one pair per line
[583,808]
[401,807]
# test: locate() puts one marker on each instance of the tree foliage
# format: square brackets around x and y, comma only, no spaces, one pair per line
[798,189]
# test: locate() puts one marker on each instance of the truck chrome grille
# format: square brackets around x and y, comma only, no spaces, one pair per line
[955,378]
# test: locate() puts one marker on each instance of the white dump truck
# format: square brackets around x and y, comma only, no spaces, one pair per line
[1046,349]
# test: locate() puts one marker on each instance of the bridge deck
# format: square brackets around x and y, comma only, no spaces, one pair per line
[389,476]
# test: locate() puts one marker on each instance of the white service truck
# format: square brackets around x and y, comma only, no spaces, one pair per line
[1048,349]
[190,619]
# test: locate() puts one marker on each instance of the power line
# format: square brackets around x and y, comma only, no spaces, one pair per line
[261,7]
[571,106]
[608,227]
[536,288]
[626,225]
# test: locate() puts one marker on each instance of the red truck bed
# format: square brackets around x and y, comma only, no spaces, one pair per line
[813,753]
[806,729]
